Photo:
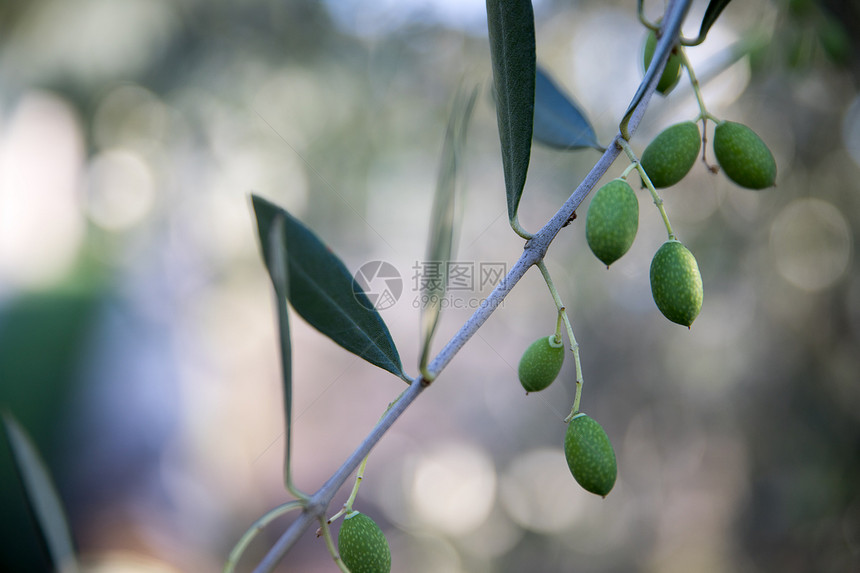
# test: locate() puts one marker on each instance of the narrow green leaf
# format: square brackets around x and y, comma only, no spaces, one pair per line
[42,496]
[512,50]
[277,267]
[559,122]
[323,292]
[715,8]
[440,243]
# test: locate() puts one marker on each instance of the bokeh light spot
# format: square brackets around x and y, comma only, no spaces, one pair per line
[41,227]
[454,488]
[539,493]
[811,244]
[120,190]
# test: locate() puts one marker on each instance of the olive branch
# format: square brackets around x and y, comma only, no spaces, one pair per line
[314,507]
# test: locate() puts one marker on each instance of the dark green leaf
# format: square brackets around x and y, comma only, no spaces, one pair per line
[276,264]
[512,49]
[42,496]
[715,8]
[323,292]
[440,244]
[558,121]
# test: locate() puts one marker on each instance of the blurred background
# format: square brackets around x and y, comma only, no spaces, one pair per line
[137,332]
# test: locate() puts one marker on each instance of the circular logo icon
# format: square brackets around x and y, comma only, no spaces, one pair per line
[377,284]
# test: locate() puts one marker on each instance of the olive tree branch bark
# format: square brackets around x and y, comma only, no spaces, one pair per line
[535,249]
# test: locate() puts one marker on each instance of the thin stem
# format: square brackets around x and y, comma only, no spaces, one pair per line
[574,345]
[558,323]
[257,527]
[551,286]
[534,251]
[519,230]
[640,11]
[658,201]
[332,549]
[359,476]
[697,87]
[627,171]
[704,114]
[318,503]
[425,373]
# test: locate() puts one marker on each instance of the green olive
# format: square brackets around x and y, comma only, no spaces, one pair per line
[743,156]
[612,221]
[362,545]
[671,155]
[590,455]
[676,283]
[672,71]
[541,363]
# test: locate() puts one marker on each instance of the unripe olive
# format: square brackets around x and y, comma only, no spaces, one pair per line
[362,545]
[541,363]
[671,155]
[676,283]
[672,71]
[743,156]
[612,221]
[589,455]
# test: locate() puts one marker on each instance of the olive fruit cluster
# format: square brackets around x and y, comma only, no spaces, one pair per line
[742,155]
[362,545]
[610,228]
[676,284]
[587,448]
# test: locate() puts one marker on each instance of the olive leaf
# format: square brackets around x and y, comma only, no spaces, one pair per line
[42,497]
[558,120]
[441,242]
[322,290]
[277,267]
[715,8]
[512,50]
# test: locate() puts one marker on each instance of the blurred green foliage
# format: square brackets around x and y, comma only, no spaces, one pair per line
[43,338]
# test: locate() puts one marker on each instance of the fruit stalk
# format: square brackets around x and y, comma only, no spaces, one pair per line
[562,313]
[658,201]
[359,475]
[640,12]
[256,528]
[329,543]
[694,82]
[705,115]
